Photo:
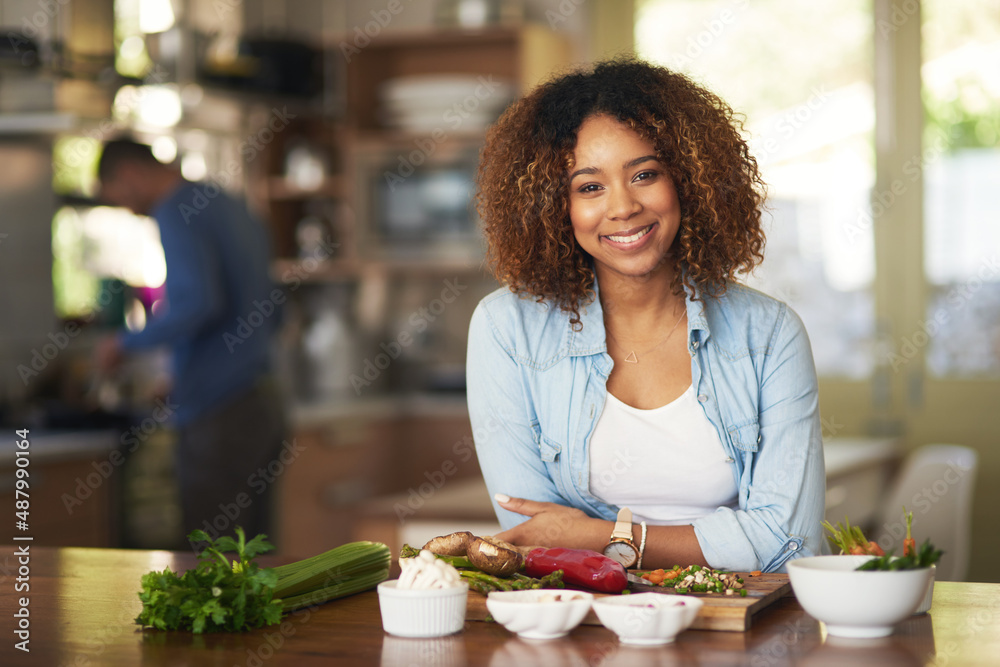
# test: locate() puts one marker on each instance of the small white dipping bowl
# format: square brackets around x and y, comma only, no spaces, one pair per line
[647,619]
[523,612]
[410,612]
[856,604]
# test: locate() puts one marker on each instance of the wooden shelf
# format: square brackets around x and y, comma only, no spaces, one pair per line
[384,138]
[358,147]
[522,55]
[279,189]
[289,270]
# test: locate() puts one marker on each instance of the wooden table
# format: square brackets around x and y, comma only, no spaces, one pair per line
[83,602]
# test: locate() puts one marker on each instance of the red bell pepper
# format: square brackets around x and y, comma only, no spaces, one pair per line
[580,567]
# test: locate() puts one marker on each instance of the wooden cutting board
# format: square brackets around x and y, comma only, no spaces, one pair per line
[720,611]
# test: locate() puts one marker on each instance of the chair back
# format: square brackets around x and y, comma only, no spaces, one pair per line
[935,483]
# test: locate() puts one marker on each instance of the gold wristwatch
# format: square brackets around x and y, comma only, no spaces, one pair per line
[621,548]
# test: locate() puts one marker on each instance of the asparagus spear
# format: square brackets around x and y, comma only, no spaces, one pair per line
[551,580]
[481,587]
[496,583]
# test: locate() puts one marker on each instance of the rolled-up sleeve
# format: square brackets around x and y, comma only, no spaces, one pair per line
[782,514]
[502,421]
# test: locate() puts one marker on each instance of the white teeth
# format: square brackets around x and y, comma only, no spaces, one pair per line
[634,237]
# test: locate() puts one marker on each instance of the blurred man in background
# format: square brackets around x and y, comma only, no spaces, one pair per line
[229,415]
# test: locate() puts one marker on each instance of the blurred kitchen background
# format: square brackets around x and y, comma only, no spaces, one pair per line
[354,128]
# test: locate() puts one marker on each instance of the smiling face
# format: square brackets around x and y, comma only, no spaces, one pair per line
[622,203]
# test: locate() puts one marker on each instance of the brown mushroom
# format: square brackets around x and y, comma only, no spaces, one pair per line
[455,544]
[495,556]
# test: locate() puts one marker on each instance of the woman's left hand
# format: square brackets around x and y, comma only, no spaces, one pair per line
[553,525]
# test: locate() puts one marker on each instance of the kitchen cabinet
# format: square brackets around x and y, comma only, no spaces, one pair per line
[367,271]
[376,449]
[355,132]
[73,479]
[338,467]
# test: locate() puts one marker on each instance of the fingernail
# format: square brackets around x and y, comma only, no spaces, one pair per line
[502,497]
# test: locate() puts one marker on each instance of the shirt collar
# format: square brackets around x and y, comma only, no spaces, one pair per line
[592,339]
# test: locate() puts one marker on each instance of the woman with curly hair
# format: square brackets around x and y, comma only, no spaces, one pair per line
[627,394]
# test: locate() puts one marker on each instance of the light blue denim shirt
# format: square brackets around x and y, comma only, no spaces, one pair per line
[536,389]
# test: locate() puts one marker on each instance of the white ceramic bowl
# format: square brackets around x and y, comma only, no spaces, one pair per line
[925,605]
[523,612]
[647,619]
[422,613]
[852,603]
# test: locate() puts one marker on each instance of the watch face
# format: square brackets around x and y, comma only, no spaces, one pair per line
[623,552]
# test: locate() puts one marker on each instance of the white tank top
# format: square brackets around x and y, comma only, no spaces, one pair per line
[666,464]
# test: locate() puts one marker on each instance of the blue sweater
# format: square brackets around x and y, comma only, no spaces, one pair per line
[222,308]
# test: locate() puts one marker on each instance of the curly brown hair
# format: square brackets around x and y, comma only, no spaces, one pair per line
[523,181]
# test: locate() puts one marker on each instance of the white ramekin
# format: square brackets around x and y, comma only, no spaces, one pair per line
[422,613]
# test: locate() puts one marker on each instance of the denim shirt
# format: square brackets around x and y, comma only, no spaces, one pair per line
[536,389]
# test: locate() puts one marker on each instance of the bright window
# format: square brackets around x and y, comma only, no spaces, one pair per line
[809,110]
[961,87]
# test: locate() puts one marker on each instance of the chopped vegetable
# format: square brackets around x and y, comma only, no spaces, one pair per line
[697,579]
[221,596]
[655,577]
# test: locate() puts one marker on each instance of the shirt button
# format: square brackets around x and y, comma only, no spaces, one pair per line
[702,398]
[695,345]
[793,546]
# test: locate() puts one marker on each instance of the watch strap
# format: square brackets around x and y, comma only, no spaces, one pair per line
[623,527]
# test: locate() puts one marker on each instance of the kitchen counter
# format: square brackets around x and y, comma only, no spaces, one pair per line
[62,445]
[426,404]
[83,602]
[74,485]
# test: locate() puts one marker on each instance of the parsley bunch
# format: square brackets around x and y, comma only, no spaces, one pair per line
[216,596]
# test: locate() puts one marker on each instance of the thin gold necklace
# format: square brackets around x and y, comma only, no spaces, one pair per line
[631,357]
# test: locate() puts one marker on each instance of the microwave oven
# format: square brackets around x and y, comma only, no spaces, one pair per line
[425,209]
